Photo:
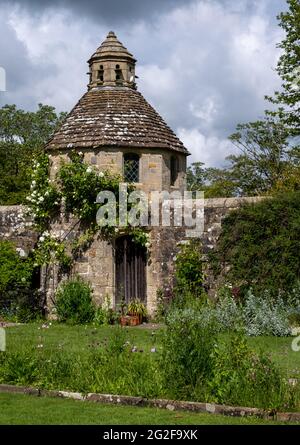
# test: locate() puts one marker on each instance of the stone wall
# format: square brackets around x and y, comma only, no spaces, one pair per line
[215,211]
[154,166]
[17,227]
[97,263]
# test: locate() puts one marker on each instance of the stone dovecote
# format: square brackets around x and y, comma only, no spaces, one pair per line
[111,123]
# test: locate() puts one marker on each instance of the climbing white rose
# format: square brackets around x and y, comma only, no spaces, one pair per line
[101,174]
[89,170]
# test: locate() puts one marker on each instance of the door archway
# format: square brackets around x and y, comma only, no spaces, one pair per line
[130,270]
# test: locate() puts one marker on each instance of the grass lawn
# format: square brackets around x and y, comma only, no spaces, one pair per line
[79,339]
[77,364]
[19,409]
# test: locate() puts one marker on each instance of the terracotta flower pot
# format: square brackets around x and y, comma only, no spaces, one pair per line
[124,320]
[134,320]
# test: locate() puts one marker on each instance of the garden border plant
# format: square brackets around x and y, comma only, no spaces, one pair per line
[19,300]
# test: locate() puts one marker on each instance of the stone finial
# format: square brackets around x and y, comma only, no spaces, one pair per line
[112,65]
[111,34]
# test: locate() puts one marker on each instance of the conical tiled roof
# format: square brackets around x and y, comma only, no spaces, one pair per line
[112,116]
[112,47]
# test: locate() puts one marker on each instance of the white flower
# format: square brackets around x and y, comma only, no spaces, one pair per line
[80,153]
[28,198]
[41,199]
[116,230]
[89,170]
[147,244]
[101,174]
[42,238]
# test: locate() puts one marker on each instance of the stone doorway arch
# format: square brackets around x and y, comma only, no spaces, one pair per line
[130,277]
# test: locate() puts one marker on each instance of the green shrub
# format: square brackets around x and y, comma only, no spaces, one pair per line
[200,364]
[260,243]
[243,377]
[23,305]
[74,302]
[187,346]
[256,315]
[111,369]
[104,314]
[19,367]
[19,301]
[264,315]
[188,269]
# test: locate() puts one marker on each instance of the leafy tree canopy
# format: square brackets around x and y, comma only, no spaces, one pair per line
[22,135]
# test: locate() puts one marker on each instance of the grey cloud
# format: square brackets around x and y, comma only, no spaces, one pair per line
[110,11]
[21,74]
[122,11]
[182,67]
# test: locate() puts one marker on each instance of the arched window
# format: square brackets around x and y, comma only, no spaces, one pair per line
[131,167]
[100,73]
[119,74]
[174,167]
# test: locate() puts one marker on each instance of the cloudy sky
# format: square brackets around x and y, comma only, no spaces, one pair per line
[205,65]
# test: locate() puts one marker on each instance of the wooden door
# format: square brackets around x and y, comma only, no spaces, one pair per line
[130,270]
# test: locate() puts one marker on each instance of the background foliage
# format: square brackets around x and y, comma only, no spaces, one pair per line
[23,135]
[19,300]
[260,244]
[74,302]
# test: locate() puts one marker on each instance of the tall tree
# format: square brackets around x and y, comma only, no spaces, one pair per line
[214,182]
[288,68]
[22,135]
[265,155]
